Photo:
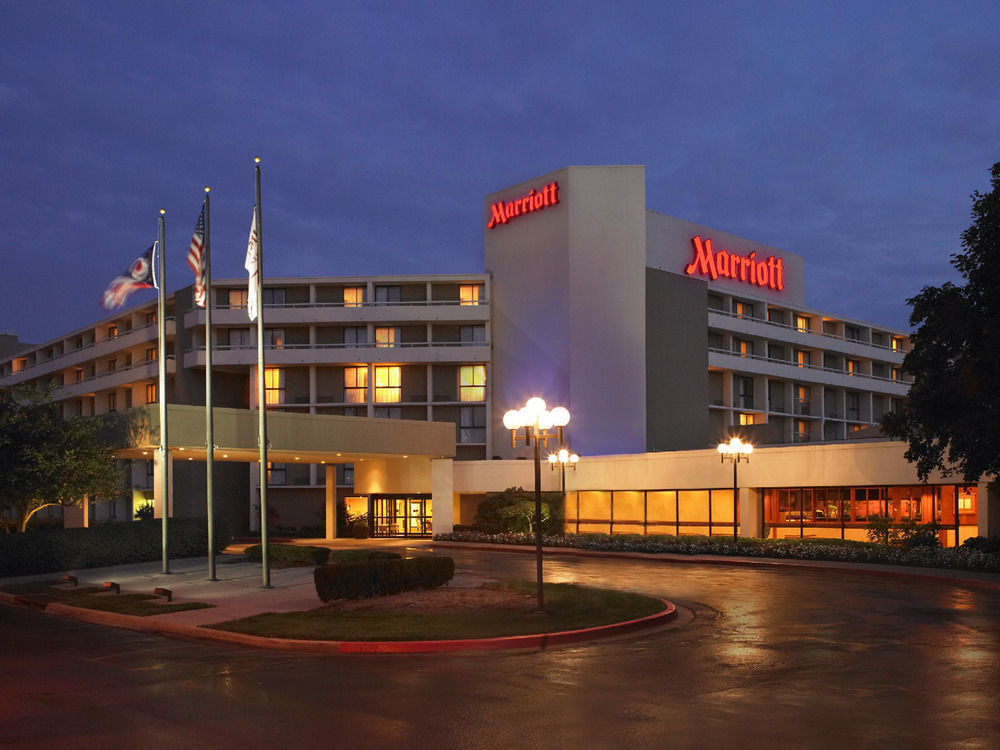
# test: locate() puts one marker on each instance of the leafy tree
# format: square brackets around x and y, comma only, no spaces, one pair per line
[46,460]
[951,421]
[514,510]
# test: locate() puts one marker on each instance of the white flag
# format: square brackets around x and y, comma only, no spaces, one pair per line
[251,266]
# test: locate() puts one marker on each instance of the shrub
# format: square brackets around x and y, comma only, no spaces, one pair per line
[110,544]
[289,555]
[144,512]
[381,577]
[880,529]
[989,545]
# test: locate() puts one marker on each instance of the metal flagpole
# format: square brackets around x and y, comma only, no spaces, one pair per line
[209,426]
[161,329]
[261,390]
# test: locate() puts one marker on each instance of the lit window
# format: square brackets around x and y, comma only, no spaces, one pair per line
[744,347]
[150,393]
[112,332]
[355,385]
[472,383]
[470,294]
[19,364]
[897,344]
[802,430]
[386,338]
[853,367]
[151,316]
[387,384]
[274,386]
[801,323]
[354,296]
[274,338]
[896,374]
[744,310]
[802,358]
[151,354]
[746,419]
[965,499]
[237,299]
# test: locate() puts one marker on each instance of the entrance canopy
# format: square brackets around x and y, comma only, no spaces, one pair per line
[304,438]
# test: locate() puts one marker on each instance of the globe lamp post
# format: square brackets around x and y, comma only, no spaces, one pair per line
[735,450]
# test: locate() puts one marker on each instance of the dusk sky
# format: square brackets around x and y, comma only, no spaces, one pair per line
[851,133]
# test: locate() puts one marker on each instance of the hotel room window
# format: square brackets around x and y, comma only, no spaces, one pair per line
[112,332]
[273,297]
[356,385]
[354,296]
[388,388]
[274,386]
[274,338]
[238,338]
[388,412]
[472,334]
[112,401]
[897,344]
[744,347]
[852,333]
[386,338]
[387,295]
[472,383]
[746,419]
[853,405]
[473,425]
[853,367]
[470,294]
[744,392]
[743,309]
[802,431]
[802,323]
[151,354]
[355,336]
[237,299]
[802,358]
[896,373]
[150,393]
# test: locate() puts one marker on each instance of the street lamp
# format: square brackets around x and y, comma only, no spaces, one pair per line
[536,421]
[562,458]
[735,450]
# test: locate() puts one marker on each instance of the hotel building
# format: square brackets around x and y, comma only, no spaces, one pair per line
[661,337]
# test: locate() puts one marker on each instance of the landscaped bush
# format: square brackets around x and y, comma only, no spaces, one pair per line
[381,577]
[110,544]
[988,544]
[960,558]
[289,555]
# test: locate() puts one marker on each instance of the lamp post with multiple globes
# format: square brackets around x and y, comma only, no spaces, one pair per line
[536,421]
[735,450]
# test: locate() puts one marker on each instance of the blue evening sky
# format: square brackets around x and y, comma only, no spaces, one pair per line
[851,133]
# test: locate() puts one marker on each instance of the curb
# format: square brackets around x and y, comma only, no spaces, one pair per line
[944,576]
[535,641]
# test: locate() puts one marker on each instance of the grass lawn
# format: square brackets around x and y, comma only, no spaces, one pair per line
[97,597]
[567,607]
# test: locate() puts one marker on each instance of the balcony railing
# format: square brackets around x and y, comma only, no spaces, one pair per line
[788,327]
[790,363]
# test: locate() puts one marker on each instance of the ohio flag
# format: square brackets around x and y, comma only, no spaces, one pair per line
[139,275]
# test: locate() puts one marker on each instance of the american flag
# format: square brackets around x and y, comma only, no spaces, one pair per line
[196,259]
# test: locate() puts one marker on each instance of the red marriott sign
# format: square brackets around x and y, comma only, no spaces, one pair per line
[768,273]
[535,200]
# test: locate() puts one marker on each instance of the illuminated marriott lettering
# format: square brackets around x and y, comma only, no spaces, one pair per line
[727,264]
[535,200]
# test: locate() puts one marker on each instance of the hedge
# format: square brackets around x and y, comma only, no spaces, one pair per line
[53,550]
[304,555]
[381,577]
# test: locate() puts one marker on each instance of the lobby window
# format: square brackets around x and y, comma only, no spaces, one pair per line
[354,296]
[274,338]
[853,366]
[276,473]
[473,425]
[472,334]
[150,393]
[743,309]
[237,299]
[802,358]
[273,297]
[470,294]
[386,338]
[112,401]
[274,386]
[387,295]
[355,336]
[802,323]
[112,332]
[746,419]
[472,383]
[356,385]
[387,384]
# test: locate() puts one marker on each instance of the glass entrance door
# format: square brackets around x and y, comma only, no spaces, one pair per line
[400,515]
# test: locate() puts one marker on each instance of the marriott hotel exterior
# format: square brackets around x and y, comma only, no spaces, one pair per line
[660,336]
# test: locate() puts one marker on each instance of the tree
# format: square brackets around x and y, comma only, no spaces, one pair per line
[951,420]
[46,460]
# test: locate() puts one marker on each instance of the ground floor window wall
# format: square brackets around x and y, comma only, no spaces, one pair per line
[844,512]
[678,512]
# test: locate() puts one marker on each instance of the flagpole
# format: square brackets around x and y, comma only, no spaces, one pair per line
[209,425]
[261,390]
[161,329]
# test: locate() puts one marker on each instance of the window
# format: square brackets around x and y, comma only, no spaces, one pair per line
[112,401]
[355,336]
[472,334]
[349,475]
[852,333]
[237,299]
[149,473]
[238,338]
[802,431]
[151,354]
[743,309]
[896,374]
[273,297]
[112,332]
[897,344]
[746,419]
[78,375]
[274,338]
[78,344]
[150,393]
[354,296]
[276,473]
[472,383]
[473,425]
[128,399]
[387,384]
[128,359]
[744,347]
[151,317]
[802,358]
[356,385]
[801,323]
[470,294]
[387,295]
[853,366]
[853,405]
[388,412]
[274,386]
[802,405]
[386,338]
[744,391]
[112,365]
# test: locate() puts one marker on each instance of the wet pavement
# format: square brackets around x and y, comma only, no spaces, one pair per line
[759,657]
